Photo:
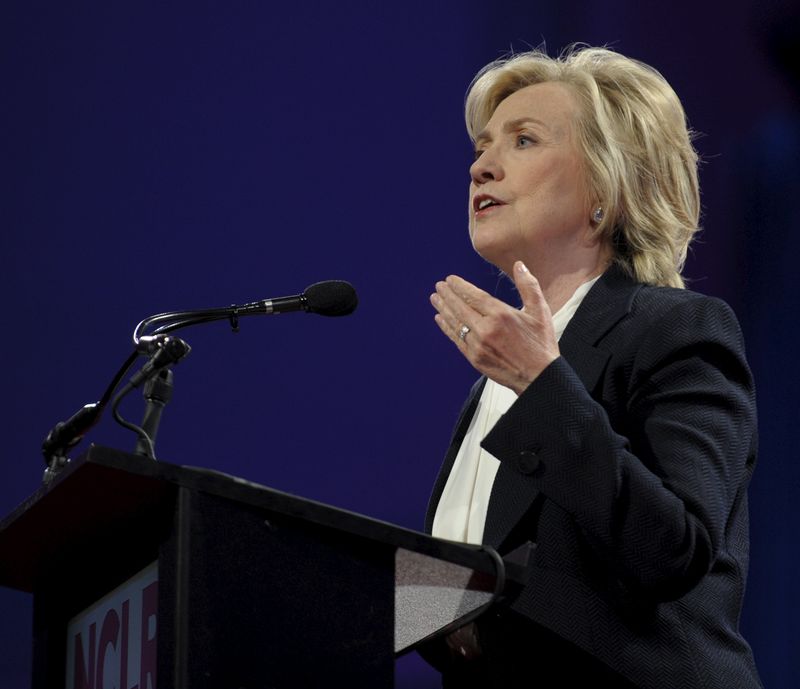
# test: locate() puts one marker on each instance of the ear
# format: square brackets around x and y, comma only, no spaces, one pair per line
[597,221]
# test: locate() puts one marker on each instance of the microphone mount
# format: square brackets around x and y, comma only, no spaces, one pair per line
[157,377]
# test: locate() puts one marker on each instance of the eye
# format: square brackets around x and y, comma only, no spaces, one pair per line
[477,153]
[523,141]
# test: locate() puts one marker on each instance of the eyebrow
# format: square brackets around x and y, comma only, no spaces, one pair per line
[509,127]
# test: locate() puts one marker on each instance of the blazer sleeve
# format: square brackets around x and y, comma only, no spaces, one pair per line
[653,494]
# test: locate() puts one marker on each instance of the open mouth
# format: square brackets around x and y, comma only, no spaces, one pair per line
[482,202]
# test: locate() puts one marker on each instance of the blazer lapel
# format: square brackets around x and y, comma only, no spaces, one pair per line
[604,306]
[609,300]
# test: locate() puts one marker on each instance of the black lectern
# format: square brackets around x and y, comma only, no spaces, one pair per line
[146,573]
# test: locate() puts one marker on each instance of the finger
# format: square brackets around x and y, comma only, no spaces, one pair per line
[450,324]
[454,310]
[473,297]
[529,290]
[452,333]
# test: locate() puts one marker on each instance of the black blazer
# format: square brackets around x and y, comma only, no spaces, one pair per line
[627,463]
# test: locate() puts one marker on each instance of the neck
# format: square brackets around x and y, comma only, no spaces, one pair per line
[560,279]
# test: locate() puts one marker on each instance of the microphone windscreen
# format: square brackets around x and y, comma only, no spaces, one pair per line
[331,298]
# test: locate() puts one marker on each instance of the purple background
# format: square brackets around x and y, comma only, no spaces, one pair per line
[160,156]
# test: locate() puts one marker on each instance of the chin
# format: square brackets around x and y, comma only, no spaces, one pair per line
[491,251]
[496,258]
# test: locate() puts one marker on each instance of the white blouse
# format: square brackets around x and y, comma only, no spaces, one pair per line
[461,512]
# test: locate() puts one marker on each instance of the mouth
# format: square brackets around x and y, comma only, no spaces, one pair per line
[483,203]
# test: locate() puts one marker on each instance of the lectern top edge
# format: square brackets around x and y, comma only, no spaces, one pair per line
[103,483]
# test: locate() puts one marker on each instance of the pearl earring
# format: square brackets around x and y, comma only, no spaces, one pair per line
[598,214]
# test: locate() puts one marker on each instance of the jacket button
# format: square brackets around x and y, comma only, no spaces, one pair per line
[527,462]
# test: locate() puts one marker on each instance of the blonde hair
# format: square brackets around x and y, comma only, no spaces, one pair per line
[640,164]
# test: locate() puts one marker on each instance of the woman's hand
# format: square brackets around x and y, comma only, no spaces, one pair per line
[510,346]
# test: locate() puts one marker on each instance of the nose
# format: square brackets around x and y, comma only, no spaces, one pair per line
[487,167]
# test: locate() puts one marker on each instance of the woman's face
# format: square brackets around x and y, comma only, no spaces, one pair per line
[528,197]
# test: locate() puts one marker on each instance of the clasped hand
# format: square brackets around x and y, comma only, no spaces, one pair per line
[508,345]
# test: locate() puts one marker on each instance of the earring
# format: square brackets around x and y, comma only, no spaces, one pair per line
[598,214]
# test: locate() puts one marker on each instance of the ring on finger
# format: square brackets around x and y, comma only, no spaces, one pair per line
[463,331]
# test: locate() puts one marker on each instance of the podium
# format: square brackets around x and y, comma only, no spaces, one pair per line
[148,574]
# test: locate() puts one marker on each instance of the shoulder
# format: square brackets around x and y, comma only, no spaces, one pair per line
[618,309]
[680,339]
[619,315]
[670,315]
[652,298]
[662,331]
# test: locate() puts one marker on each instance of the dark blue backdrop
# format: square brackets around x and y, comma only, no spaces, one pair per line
[158,156]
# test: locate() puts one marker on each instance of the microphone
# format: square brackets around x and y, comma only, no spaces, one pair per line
[328,298]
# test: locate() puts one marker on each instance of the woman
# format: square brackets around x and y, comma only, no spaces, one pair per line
[614,423]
